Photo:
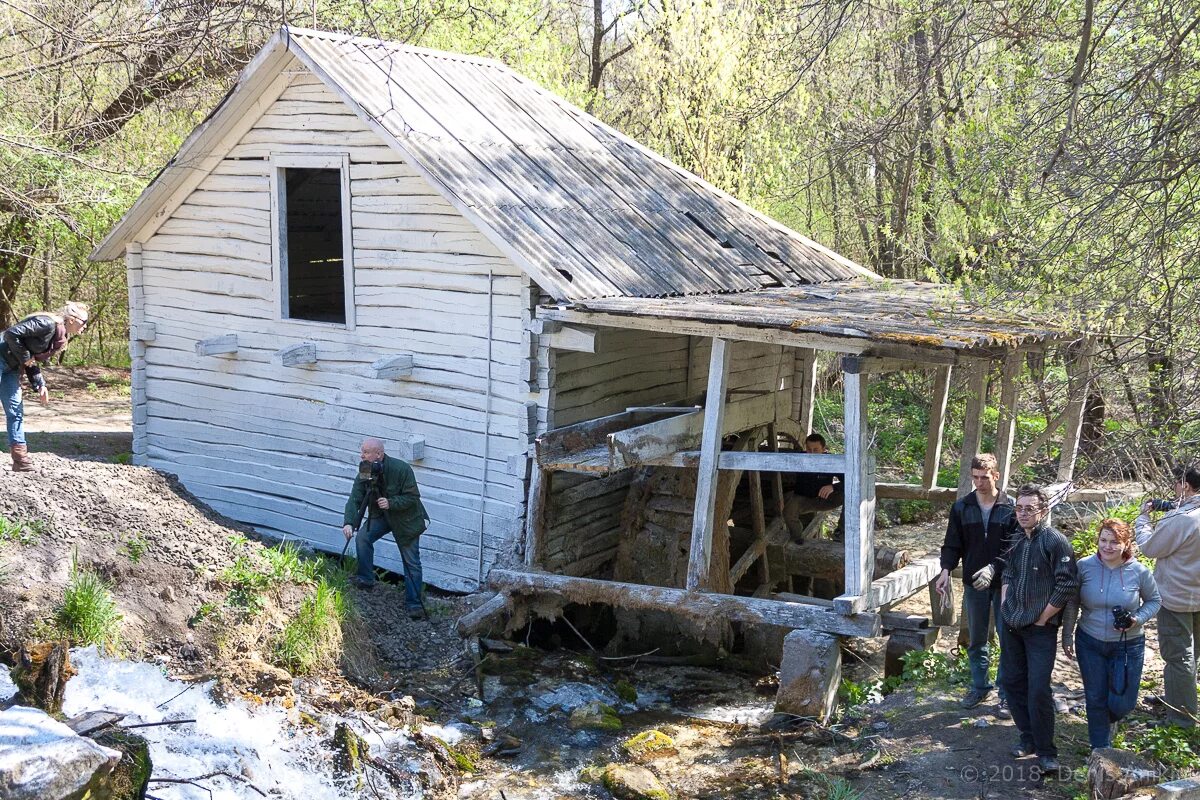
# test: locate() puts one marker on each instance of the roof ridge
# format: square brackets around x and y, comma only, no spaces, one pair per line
[450,55]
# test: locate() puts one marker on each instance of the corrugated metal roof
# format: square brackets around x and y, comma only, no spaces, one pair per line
[589,212]
[884,312]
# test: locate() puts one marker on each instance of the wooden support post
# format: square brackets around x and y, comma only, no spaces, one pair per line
[804,382]
[937,423]
[1032,448]
[977,375]
[535,515]
[703,516]
[758,516]
[777,484]
[486,618]
[1007,427]
[1079,375]
[859,491]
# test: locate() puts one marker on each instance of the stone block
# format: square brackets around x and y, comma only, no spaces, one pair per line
[809,675]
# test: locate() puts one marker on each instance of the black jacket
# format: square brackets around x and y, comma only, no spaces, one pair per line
[967,541]
[1041,571]
[31,337]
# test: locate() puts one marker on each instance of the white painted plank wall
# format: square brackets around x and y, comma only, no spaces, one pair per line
[276,446]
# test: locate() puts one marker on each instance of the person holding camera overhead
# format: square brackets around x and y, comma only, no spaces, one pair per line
[1117,596]
[1174,543]
[386,492]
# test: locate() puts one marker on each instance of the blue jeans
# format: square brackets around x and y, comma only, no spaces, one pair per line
[364,544]
[982,608]
[1027,660]
[1111,674]
[14,408]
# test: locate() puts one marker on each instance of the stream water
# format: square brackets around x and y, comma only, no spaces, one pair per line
[257,744]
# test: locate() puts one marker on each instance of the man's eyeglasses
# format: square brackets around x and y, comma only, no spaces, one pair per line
[1028,509]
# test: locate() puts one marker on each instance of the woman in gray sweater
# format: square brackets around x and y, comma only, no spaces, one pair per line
[1117,596]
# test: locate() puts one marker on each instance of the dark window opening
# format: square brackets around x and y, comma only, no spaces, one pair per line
[315,266]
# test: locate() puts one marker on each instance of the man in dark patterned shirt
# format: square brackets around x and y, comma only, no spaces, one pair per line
[1040,576]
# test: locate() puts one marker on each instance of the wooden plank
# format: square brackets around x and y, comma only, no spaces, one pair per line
[937,423]
[652,442]
[391,367]
[572,337]
[783,462]
[535,516]
[143,331]
[904,582]
[1079,376]
[700,552]
[691,604]
[804,385]
[977,376]
[297,354]
[911,491]
[859,489]
[488,617]
[217,345]
[1006,426]
[1038,441]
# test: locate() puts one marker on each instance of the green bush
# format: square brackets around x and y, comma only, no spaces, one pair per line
[313,638]
[88,614]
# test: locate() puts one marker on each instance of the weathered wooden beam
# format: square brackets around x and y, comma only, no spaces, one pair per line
[535,516]
[217,345]
[488,617]
[877,365]
[977,376]
[819,558]
[570,337]
[911,491]
[658,441]
[804,385]
[691,604]
[937,423]
[859,489]
[143,332]
[904,582]
[700,552]
[391,367]
[296,354]
[1079,376]
[1038,441]
[782,462]
[1006,427]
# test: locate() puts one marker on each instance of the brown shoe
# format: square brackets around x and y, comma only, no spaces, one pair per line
[20,458]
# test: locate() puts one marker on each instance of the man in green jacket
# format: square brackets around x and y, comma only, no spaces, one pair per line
[387,490]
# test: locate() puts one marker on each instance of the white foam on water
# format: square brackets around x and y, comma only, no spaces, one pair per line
[450,736]
[8,689]
[745,714]
[257,743]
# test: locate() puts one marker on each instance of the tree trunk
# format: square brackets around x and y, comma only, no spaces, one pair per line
[16,249]
[41,675]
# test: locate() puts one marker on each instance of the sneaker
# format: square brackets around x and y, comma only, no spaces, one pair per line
[359,583]
[1002,709]
[416,613]
[975,697]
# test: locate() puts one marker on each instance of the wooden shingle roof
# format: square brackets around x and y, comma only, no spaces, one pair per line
[587,211]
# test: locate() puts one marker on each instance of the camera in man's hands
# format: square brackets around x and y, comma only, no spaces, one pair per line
[370,470]
[1122,618]
[1158,504]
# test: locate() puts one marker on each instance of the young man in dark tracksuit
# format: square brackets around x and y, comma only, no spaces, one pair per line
[1040,577]
[980,530]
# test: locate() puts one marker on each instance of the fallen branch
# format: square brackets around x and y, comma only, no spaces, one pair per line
[159,724]
[221,773]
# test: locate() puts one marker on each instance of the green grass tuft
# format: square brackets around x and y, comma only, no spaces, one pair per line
[313,638]
[21,531]
[88,614]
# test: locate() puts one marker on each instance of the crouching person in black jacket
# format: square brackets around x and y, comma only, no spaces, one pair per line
[25,346]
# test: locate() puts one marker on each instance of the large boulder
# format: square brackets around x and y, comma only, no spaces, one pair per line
[43,759]
[631,782]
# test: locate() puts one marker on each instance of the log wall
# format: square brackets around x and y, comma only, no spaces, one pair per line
[276,446]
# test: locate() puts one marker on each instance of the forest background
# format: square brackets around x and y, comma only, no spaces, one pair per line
[1040,154]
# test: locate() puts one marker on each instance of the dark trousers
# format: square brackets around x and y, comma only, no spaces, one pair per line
[372,531]
[1026,662]
[1111,674]
[982,608]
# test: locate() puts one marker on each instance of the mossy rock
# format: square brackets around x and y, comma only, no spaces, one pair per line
[349,751]
[626,691]
[631,782]
[461,760]
[649,744]
[592,774]
[129,779]
[595,716]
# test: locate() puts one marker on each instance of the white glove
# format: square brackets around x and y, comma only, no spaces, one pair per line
[982,580]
